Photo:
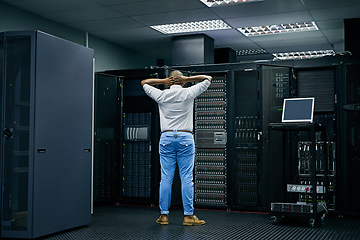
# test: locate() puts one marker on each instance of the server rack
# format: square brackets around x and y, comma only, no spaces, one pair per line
[305,82]
[247,136]
[140,168]
[275,84]
[237,162]
[348,138]
[211,143]
[46,147]
[320,82]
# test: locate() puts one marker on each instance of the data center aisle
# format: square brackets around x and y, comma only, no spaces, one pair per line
[133,222]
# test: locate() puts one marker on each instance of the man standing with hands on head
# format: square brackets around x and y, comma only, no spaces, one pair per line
[176,144]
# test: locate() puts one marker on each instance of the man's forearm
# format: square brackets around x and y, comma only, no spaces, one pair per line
[153,81]
[198,78]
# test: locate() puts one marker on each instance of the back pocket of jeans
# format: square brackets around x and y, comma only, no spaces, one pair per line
[186,143]
[187,147]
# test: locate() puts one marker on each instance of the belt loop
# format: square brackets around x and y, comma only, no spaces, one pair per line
[175,133]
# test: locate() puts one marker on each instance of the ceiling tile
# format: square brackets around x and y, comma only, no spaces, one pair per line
[339,47]
[302,44]
[128,33]
[116,2]
[224,34]
[337,13]
[177,17]
[334,35]
[81,15]
[153,7]
[321,4]
[106,24]
[330,24]
[46,6]
[233,41]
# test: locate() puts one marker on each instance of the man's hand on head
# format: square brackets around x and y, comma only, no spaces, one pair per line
[169,81]
[180,80]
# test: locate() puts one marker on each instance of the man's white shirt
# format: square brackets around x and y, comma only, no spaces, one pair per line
[176,105]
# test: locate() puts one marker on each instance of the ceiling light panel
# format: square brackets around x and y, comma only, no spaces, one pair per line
[199,26]
[277,29]
[303,55]
[248,52]
[214,3]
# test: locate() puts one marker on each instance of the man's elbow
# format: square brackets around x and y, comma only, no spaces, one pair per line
[143,82]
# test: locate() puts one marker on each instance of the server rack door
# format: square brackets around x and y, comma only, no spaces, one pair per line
[1,113]
[63,135]
[135,105]
[17,132]
[275,85]
[246,161]
[349,129]
[107,145]
[140,162]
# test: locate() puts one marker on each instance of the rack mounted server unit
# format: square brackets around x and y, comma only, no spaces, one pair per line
[136,180]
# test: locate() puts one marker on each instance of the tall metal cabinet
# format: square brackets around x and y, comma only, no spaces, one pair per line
[211,143]
[46,123]
[107,148]
[138,133]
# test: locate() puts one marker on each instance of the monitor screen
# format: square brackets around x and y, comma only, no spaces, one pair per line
[298,110]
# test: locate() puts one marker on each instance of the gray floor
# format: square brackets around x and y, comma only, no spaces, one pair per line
[132,222]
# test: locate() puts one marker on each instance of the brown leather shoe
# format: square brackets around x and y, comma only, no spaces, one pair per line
[163,220]
[192,221]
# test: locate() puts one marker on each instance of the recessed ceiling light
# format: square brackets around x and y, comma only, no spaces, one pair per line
[303,55]
[214,3]
[191,26]
[277,29]
[248,52]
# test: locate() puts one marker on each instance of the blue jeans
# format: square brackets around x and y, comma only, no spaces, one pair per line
[177,147]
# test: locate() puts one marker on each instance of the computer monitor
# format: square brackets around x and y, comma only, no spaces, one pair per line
[298,110]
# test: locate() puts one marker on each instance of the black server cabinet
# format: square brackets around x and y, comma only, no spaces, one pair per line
[275,84]
[46,122]
[291,160]
[139,173]
[2,41]
[140,161]
[320,82]
[246,163]
[108,132]
[349,138]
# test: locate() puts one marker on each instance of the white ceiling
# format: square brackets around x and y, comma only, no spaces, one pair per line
[127,22]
